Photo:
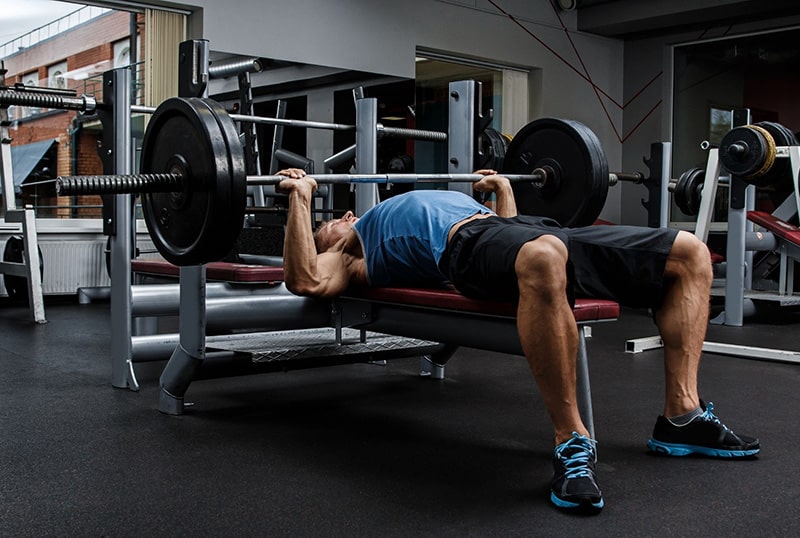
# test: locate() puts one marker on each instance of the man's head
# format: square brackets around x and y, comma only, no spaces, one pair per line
[329,233]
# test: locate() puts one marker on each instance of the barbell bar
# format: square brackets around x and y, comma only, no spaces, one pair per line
[175,181]
[194,179]
[382,130]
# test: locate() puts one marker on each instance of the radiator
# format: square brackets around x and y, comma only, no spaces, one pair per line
[69,265]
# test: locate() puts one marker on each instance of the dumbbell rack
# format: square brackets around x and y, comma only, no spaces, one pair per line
[30,267]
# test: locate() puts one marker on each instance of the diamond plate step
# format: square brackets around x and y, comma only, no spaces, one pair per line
[279,346]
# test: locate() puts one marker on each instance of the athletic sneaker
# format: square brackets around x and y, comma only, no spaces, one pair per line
[705,434]
[574,486]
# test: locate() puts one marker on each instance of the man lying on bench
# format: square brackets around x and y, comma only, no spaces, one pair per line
[426,237]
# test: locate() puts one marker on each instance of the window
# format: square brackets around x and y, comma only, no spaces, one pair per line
[122,53]
[55,76]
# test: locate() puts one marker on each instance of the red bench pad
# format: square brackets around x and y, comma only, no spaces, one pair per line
[585,309]
[224,271]
[775,225]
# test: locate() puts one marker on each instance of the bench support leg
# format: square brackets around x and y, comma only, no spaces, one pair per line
[433,365]
[584,391]
[191,351]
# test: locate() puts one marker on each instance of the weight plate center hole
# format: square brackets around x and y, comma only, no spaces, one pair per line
[181,197]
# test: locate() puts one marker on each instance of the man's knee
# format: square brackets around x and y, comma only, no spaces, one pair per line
[541,267]
[689,259]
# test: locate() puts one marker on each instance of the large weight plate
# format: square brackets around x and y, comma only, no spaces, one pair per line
[197,138]
[580,187]
[779,176]
[754,161]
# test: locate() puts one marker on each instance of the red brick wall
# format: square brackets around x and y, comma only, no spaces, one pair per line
[89,45]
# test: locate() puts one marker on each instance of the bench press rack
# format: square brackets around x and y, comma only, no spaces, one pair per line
[434,320]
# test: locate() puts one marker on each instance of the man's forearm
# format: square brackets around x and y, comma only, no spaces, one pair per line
[506,205]
[299,251]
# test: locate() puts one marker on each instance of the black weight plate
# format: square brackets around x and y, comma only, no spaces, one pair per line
[14,251]
[779,176]
[747,162]
[688,191]
[572,150]
[197,138]
[492,148]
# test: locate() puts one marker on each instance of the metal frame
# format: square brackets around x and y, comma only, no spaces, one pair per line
[640,345]
[455,329]
[463,109]
[190,351]
[740,246]
[29,268]
[740,243]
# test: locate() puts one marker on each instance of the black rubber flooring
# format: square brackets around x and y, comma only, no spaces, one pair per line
[368,450]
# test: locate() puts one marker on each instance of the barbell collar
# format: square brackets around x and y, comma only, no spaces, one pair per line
[738,149]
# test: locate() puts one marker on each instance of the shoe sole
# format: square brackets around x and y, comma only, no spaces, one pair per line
[585,506]
[674,449]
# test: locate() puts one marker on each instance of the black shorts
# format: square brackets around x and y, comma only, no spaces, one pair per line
[619,263]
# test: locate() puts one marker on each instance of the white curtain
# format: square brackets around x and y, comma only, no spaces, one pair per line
[164,31]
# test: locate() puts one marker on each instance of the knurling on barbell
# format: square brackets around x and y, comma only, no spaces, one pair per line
[194,182]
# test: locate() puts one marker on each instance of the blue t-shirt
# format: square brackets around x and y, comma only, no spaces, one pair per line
[404,237]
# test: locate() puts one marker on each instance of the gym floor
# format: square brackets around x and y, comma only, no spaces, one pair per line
[368,450]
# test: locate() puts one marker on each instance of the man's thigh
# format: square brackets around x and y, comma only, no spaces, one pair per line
[621,263]
[485,266]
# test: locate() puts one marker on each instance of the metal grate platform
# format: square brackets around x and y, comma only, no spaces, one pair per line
[282,346]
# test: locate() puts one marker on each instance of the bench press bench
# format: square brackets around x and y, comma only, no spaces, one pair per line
[428,315]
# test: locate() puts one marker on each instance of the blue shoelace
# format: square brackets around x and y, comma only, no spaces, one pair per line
[709,416]
[577,463]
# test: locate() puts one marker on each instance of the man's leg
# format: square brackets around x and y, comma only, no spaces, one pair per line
[547,330]
[549,337]
[682,321]
[687,426]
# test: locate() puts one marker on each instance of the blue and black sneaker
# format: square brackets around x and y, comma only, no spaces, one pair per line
[705,434]
[574,486]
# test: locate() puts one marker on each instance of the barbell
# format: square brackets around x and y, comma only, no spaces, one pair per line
[194,181]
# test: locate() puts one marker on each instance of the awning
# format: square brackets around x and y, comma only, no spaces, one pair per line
[25,158]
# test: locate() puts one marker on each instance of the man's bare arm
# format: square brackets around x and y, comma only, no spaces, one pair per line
[305,271]
[501,186]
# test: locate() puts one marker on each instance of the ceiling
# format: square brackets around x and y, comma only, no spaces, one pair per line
[630,18]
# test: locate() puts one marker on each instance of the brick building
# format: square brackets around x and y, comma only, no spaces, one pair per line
[73,59]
